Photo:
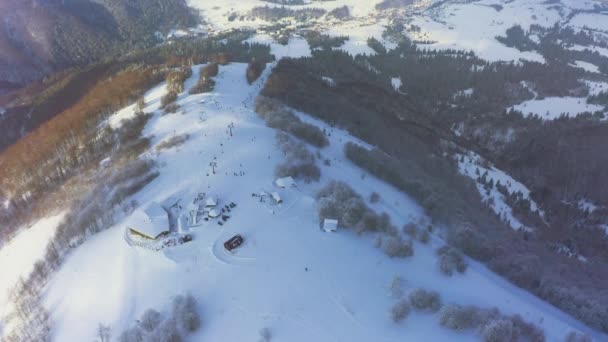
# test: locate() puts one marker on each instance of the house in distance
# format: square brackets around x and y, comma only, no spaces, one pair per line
[329,225]
[286,182]
[150,223]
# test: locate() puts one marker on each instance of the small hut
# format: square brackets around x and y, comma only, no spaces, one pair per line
[330,225]
[277,198]
[286,182]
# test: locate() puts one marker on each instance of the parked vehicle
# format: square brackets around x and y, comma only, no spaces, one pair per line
[233,243]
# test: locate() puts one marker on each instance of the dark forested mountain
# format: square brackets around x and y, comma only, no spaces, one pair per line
[41,36]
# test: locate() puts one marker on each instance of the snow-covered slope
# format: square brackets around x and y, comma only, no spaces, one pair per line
[288,275]
[17,258]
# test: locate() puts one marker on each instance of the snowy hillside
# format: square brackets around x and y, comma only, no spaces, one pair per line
[17,258]
[288,275]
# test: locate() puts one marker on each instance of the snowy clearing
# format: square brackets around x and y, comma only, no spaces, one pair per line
[451,27]
[551,108]
[586,66]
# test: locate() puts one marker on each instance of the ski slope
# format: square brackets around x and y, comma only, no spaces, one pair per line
[301,283]
[18,256]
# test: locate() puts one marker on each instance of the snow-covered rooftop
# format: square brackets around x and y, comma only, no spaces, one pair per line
[151,222]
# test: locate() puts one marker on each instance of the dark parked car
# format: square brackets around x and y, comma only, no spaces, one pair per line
[233,243]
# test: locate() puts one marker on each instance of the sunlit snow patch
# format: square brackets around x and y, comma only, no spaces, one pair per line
[551,108]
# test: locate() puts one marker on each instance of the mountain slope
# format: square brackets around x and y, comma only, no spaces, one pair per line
[41,36]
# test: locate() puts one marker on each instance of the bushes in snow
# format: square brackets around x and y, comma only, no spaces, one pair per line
[400,310]
[424,236]
[491,324]
[411,229]
[395,247]
[205,81]
[299,162]
[265,335]
[182,319]
[577,337]
[280,117]
[167,99]
[449,260]
[374,197]
[498,330]
[174,141]
[422,299]
[457,317]
[337,200]
[185,313]
[150,320]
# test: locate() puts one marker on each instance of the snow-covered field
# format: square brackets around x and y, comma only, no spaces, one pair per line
[551,108]
[288,275]
[475,27]
[587,66]
[594,21]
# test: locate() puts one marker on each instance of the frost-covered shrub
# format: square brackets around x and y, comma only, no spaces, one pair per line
[498,330]
[411,229]
[150,320]
[424,236]
[493,326]
[457,317]
[173,326]
[134,334]
[338,200]
[395,247]
[574,336]
[185,313]
[167,331]
[397,287]
[299,162]
[280,117]
[526,330]
[449,260]
[167,99]
[374,197]
[265,335]
[422,299]
[400,310]
[174,141]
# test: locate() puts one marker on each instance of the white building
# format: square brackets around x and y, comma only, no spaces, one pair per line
[286,182]
[276,197]
[330,225]
[210,202]
[150,223]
